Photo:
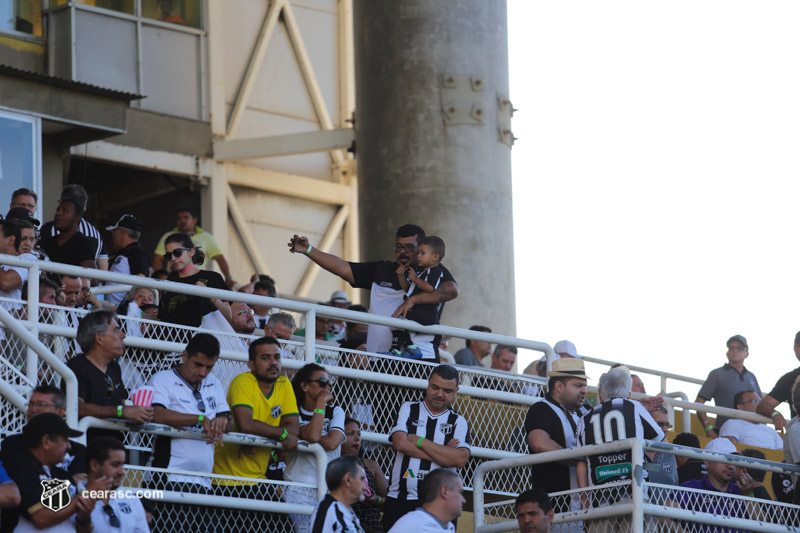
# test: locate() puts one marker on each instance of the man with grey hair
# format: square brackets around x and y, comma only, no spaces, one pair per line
[131,259]
[616,418]
[280,325]
[344,477]
[101,392]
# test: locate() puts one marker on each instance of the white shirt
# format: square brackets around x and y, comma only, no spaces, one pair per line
[173,392]
[302,467]
[130,512]
[330,516]
[414,418]
[751,434]
[16,294]
[421,521]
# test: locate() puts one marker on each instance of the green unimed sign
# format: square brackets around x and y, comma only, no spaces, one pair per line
[606,472]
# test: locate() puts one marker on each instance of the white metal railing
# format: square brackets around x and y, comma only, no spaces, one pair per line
[639,506]
[243,439]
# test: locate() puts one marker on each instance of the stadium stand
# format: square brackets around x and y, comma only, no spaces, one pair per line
[371,391]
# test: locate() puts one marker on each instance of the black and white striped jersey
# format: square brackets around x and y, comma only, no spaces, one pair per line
[84,228]
[414,418]
[331,516]
[612,420]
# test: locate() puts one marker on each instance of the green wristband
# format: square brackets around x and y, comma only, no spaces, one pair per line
[308,252]
[200,419]
[119,411]
[320,411]
[775,413]
[708,427]
[419,442]
[284,435]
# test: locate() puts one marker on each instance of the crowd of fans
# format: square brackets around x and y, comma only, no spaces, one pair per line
[431,441]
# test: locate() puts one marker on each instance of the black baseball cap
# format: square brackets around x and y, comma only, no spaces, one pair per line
[128,222]
[47,424]
[22,214]
[737,338]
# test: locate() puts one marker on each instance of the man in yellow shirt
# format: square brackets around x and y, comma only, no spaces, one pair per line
[187,223]
[263,403]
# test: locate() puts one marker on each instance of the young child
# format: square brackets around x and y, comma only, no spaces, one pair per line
[426,278]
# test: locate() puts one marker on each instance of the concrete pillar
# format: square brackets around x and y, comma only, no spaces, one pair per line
[431,79]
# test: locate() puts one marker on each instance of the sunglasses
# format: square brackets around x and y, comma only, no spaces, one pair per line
[323,382]
[176,253]
[112,516]
[200,405]
[405,247]
[109,386]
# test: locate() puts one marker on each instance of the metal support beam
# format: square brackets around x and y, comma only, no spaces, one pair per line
[216,66]
[325,192]
[254,65]
[327,242]
[307,71]
[295,143]
[250,244]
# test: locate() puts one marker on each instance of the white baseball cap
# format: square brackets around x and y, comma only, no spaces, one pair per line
[721,445]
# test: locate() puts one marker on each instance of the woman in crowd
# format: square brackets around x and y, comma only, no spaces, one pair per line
[320,421]
[185,309]
[368,511]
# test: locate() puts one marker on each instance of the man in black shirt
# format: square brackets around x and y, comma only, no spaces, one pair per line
[46,442]
[551,424]
[689,469]
[380,277]
[47,399]
[69,246]
[781,392]
[101,392]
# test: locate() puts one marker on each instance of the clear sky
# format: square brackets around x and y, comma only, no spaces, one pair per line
[656,180]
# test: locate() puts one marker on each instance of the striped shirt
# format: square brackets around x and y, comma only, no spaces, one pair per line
[612,420]
[331,516]
[86,229]
[414,418]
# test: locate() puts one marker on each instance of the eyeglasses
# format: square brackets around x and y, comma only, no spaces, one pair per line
[112,516]
[176,253]
[245,312]
[41,405]
[664,425]
[410,248]
[200,404]
[109,386]
[323,382]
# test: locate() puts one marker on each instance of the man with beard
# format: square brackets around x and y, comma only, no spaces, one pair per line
[264,404]
[106,456]
[551,424]
[386,294]
[534,511]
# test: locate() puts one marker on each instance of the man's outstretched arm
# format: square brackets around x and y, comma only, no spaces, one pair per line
[331,263]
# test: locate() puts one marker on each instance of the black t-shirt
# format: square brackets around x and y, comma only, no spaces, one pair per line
[131,260]
[27,472]
[78,248]
[86,229]
[97,387]
[186,309]
[74,460]
[552,477]
[693,469]
[782,391]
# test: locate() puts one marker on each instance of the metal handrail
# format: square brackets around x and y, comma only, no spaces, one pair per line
[244,439]
[57,364]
